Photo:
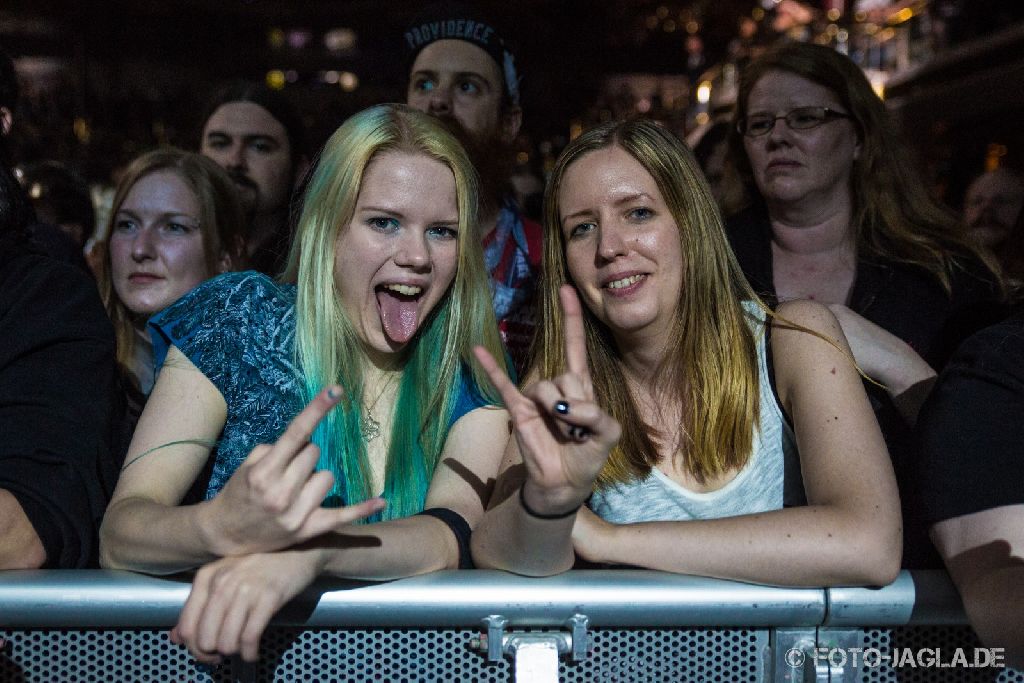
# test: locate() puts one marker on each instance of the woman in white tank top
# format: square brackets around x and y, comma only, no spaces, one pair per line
[668,398]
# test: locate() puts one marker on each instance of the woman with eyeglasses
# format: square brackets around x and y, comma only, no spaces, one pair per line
[833,210]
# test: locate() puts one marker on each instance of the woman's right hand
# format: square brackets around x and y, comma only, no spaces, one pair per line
[273,500]
[564,436]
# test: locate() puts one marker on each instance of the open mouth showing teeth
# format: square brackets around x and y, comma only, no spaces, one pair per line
[625,282]
[405,290]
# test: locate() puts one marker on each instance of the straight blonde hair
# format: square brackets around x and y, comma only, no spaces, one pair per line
[710,367]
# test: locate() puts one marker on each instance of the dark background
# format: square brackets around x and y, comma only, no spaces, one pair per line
[110,79]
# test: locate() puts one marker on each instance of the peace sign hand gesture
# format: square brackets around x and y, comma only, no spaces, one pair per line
[563,435]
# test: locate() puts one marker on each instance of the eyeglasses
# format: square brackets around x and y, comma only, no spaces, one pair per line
[800,118]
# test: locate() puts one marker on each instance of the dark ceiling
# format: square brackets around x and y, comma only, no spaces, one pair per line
[565,47]
[136,73]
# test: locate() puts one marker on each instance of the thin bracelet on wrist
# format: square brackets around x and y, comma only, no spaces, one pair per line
[533,513]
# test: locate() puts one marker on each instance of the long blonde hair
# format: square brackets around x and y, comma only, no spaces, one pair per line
[710,367]
[327,346]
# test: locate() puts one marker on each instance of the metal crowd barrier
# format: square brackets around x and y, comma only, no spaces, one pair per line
[593,626]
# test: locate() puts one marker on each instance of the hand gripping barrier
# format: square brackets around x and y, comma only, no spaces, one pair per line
[595,625]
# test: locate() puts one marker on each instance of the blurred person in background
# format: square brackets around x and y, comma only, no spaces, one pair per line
[710,140]
[1011,256]
[46,236]
[60,198]
[710,150]
[994,216]
[258,137]
[463,72]
[176,221]
[992,204]
[8,101]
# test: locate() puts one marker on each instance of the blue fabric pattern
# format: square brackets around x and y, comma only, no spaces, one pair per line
[239,330]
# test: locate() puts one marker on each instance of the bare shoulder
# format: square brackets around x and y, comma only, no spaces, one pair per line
[183,418]
[808,345]
[477,440]
[807,327]
[480,423]
[470,462]
[176,360]
[181,388]
[791,316]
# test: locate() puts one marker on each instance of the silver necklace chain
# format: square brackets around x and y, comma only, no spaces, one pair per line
[368,426]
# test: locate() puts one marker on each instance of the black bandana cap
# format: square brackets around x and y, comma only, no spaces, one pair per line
[452,21]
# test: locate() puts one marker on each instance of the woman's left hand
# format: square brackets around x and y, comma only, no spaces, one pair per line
[234,598]
[591,536]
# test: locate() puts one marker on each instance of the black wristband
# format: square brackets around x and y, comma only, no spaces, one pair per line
[533,513]
[460,528]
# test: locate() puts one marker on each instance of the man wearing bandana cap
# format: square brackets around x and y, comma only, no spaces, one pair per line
[463,72]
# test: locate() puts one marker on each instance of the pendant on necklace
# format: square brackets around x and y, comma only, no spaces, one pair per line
[369,427]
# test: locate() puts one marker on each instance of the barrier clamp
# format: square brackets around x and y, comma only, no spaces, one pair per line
[492,641]
[499,644]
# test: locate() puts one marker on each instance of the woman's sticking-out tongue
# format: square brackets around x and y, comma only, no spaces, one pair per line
[399,314]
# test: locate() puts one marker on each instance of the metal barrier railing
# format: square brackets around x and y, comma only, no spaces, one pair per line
[622,625]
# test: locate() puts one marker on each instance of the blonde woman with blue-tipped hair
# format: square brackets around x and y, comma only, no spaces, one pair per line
[382,473]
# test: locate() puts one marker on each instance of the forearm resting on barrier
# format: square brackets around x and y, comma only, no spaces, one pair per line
[510,539]
[143,535]
[801,546]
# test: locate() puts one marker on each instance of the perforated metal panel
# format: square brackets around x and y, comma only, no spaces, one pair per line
[394,655]
[671,655]
[92,657]
[352,656]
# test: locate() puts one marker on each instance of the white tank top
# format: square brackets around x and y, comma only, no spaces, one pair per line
[760,486]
